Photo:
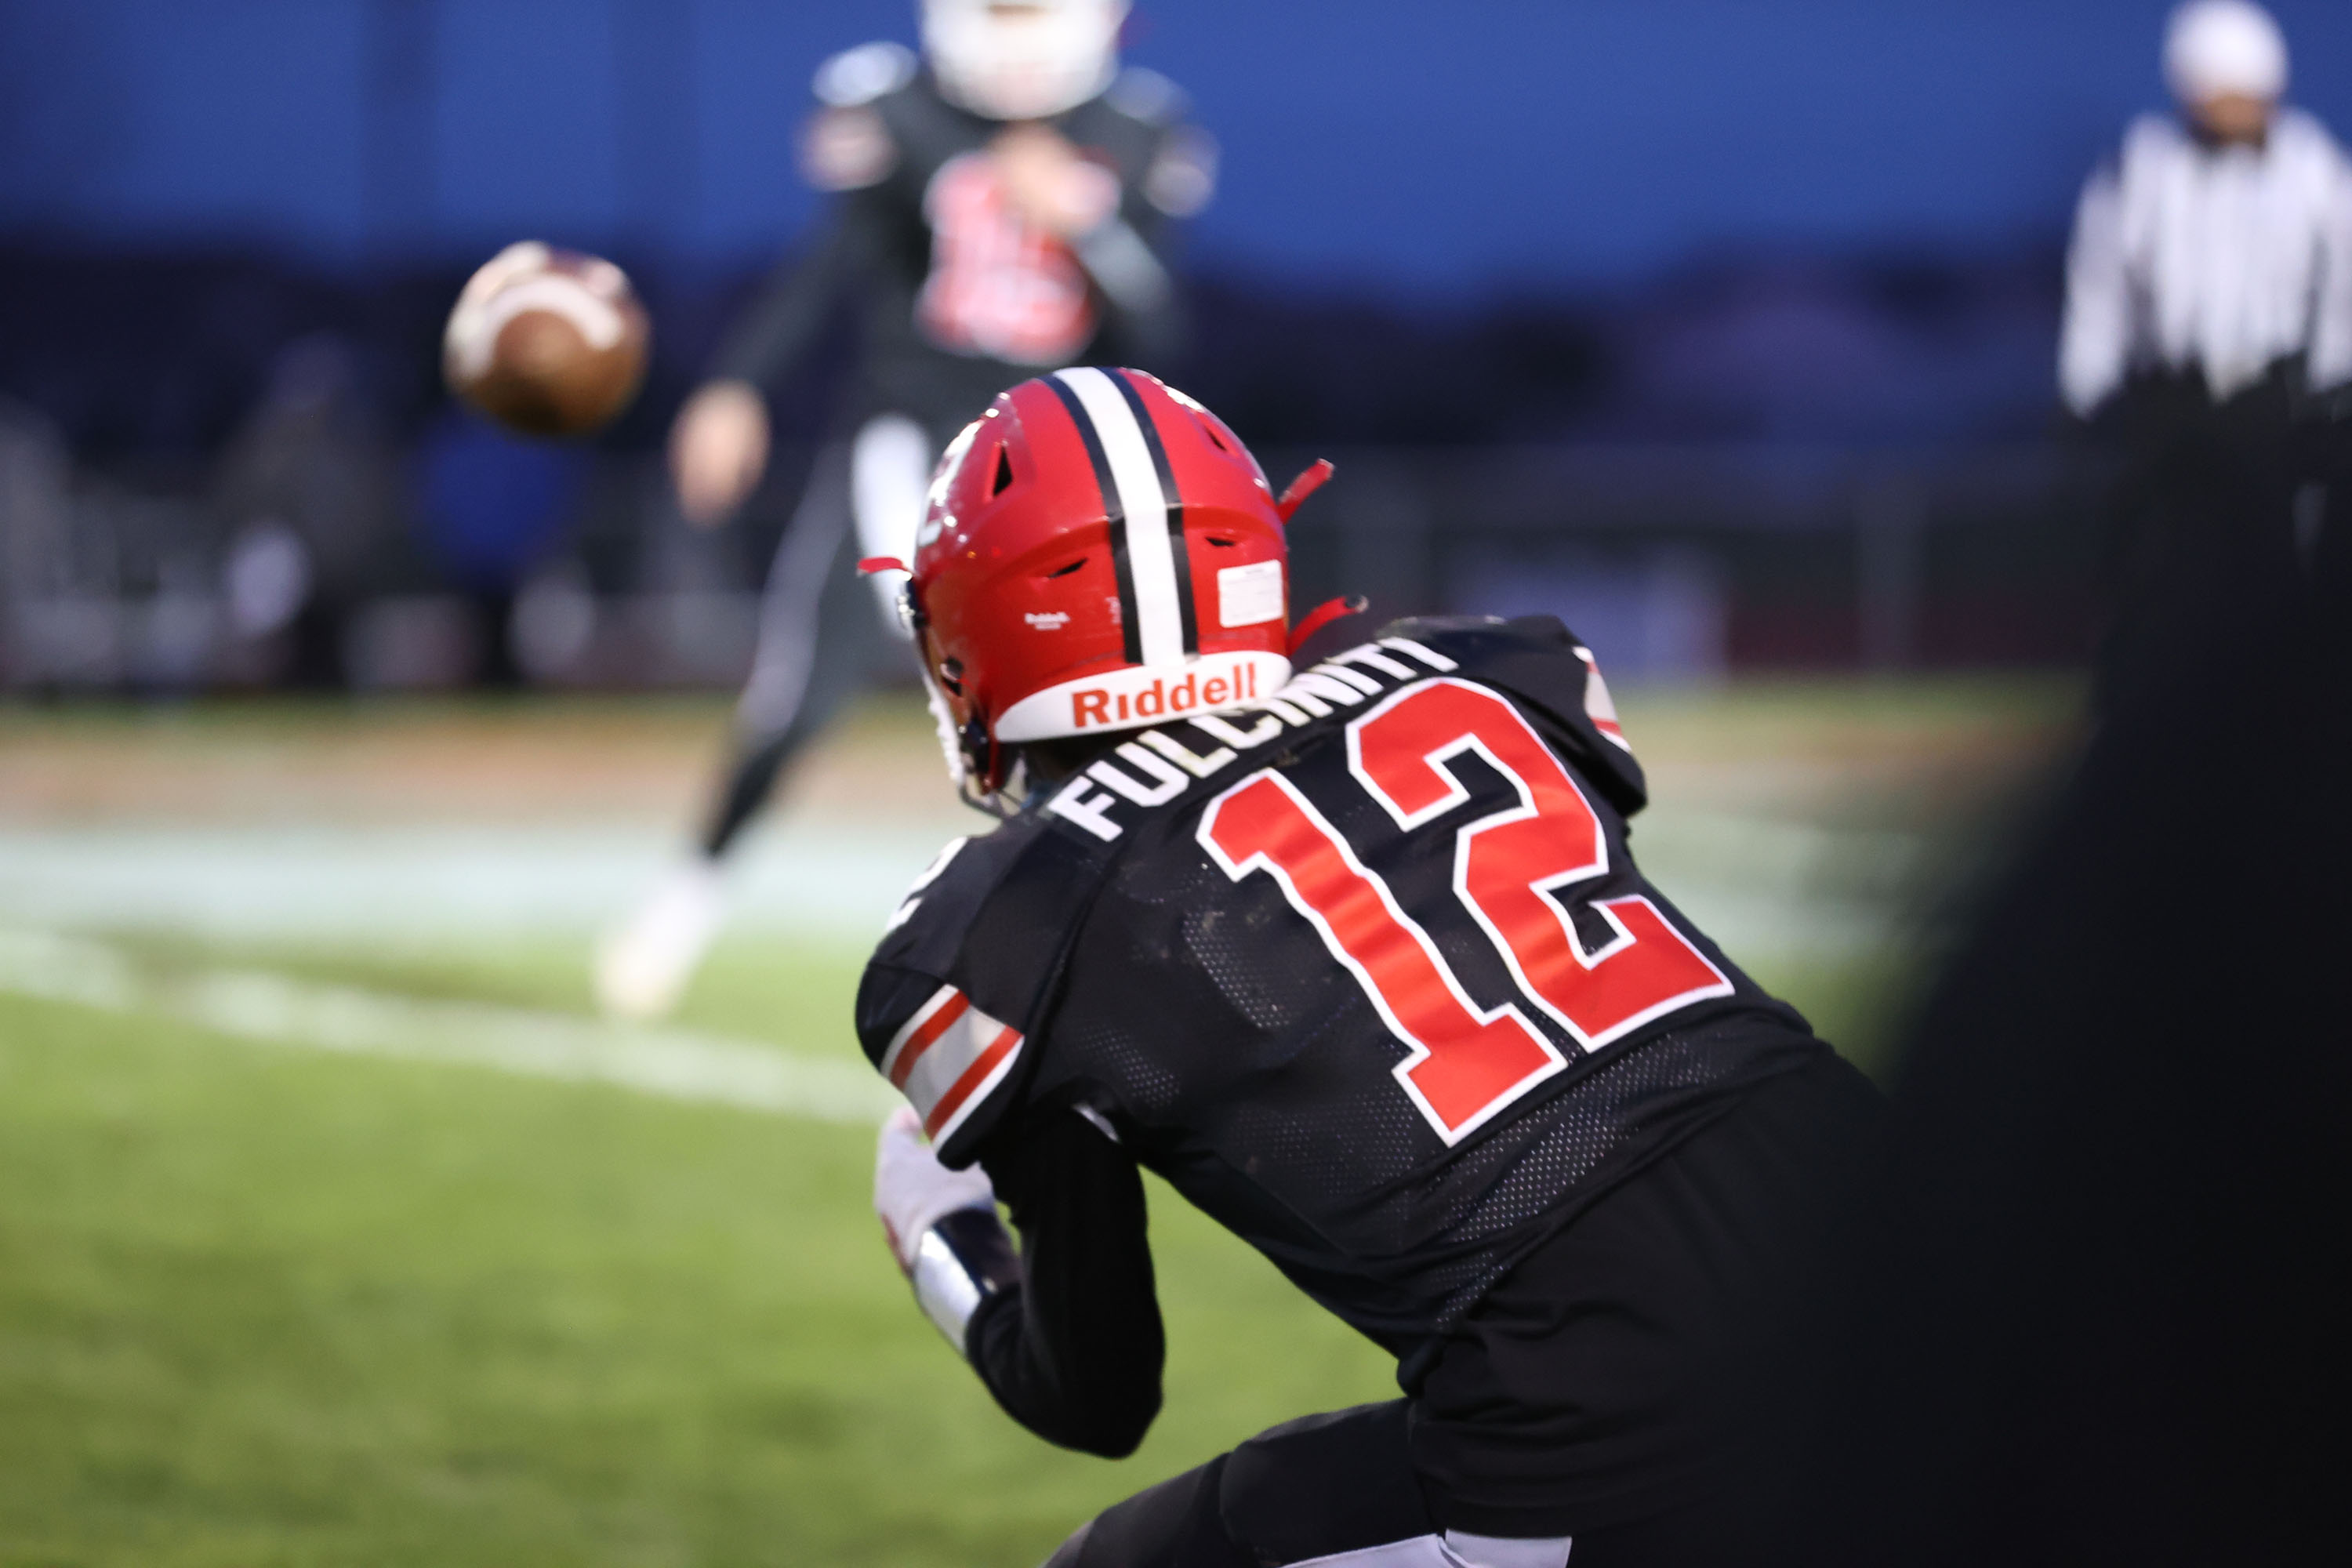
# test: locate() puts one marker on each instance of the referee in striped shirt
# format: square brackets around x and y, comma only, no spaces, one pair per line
[2208,329]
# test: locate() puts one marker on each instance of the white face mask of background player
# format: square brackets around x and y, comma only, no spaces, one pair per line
[1027,60]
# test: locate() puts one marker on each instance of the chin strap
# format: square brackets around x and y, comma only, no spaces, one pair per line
[973,763]
[959,1264]
[968,749]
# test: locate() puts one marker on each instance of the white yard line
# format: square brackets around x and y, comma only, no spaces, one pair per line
[1759,887]
[363,885]
[273,1009]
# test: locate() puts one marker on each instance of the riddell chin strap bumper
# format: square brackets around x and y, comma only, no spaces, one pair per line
[959,1263]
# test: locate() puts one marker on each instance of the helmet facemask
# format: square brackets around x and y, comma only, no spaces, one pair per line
[988,776]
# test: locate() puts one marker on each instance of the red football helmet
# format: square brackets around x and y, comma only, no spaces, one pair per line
[1100,553]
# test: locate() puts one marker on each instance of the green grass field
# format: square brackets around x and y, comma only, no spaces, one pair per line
[257,1308]
[270,1305]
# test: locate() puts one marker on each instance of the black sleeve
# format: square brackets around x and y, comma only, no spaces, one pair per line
[1075,1352]
[797,303]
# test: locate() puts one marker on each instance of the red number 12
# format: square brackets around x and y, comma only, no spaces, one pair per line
[1466,1063]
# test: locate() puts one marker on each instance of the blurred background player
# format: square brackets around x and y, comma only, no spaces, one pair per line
[2208,314]
[307,492]
[1001,206]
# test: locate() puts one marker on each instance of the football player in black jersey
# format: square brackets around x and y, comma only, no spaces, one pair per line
[999,205]
[1355,957]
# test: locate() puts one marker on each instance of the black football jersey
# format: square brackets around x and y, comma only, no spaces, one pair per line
[1364,970]
[961,298]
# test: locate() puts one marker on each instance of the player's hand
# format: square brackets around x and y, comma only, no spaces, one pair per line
[913,1191]
[717,450]
[1051,183]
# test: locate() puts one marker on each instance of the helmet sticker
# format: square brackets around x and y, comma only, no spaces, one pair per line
[1250,595]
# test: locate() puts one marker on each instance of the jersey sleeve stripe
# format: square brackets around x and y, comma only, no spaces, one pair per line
[1597,707]
[948,1056]
[971,1087]
[936,1017]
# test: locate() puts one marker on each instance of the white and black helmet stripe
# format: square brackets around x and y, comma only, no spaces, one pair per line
[1145,514]
[1180,562]
[1112,509]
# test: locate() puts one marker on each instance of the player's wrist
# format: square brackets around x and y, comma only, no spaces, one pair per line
[960,1264]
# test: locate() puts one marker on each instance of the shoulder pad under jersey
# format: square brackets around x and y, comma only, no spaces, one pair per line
[847,149]
[1183,174]
[860,76]
[1148,96]
[1544,664]
[953,993]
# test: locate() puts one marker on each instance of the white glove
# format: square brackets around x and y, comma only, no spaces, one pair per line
[913,1191]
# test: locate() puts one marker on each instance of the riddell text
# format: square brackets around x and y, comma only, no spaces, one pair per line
[1162,700]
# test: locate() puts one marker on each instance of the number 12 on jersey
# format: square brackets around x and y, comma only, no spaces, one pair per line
[1510,868]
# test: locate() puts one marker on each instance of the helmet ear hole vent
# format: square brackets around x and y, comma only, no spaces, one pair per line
[951,675]
[1065,571]
[1223,543]
[1003,473]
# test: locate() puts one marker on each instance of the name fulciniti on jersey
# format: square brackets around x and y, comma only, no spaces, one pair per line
[1167,766]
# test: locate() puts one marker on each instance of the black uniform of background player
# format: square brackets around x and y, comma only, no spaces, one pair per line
[1585,1293]
[890,145]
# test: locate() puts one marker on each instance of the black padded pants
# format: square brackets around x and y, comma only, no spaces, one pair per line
[821,642]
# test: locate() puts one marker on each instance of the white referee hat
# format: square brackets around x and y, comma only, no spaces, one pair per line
[2224,46]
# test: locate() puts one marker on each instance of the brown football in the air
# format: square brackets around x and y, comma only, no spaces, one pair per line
[547,341]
